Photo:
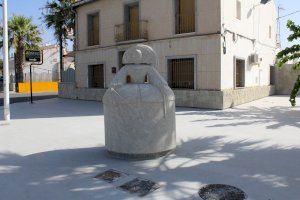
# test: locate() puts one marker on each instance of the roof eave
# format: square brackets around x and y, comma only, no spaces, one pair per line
[82,2]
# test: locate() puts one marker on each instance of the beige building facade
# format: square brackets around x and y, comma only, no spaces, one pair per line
[213,53]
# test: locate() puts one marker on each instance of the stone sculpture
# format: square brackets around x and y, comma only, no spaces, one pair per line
[139,109]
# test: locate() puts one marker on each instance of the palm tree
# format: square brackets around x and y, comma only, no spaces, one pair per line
[23,35]
[60,16]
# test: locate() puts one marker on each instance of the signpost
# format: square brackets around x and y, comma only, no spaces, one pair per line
[35,58]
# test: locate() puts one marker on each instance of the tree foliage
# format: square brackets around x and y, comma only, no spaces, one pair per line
[60,17]
[292,54]
[23,35]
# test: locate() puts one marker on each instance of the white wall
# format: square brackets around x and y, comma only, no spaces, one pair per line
[159,14]
[49,70]
[205,50]
[215,71]
[254,24]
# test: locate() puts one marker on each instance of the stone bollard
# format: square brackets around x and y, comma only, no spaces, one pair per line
[139,109]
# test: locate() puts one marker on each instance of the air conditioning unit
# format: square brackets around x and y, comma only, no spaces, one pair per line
[253,59]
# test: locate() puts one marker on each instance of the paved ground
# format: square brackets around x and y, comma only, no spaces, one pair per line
[25,97]
[53,149]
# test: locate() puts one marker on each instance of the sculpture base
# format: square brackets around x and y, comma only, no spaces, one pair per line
[150,156]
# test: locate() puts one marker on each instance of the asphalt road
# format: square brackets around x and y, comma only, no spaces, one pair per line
[20,97]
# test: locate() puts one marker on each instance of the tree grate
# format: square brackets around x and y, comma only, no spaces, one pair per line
[110,176]
[141,187]
[221,192]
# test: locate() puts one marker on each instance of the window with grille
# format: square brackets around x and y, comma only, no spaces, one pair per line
[96,76]
[181,73]
[272,75]
[184,16]
[93,29]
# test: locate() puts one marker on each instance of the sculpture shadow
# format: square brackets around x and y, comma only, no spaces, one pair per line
[269,172]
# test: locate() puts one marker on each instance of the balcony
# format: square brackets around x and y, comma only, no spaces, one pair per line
[185,24]
[131,31]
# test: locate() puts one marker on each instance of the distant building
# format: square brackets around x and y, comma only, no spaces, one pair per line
[213,53]
[49,71]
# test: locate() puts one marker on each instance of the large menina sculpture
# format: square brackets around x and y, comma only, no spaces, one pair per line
[139,109]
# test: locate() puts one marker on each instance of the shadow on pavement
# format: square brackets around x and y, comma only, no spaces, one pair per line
[55,108]
[270,172]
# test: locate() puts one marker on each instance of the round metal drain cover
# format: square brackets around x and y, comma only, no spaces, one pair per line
[221,192]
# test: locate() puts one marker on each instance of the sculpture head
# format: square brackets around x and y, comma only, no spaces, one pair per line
[140,54]
[140,63]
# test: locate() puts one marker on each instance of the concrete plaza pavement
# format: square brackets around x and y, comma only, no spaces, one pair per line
[52,150]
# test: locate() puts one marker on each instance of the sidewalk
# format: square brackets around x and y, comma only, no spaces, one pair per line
[25,97]
[53,149]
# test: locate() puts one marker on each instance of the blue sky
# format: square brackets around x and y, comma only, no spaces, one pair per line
[32,8]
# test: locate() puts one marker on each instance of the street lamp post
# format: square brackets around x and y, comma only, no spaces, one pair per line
[5,63]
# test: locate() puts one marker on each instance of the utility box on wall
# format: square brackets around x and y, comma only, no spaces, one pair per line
[253,59]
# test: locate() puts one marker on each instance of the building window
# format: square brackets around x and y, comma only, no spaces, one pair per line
[93,29]
[121,54]
[133,27]
[270,32]
[238,9]
[184,16]
[181,73]
[132,22]
[96,76]
[272,75]
[239,73]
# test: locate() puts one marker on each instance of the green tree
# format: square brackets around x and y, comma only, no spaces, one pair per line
[60,16]
[23,35]
[292,54]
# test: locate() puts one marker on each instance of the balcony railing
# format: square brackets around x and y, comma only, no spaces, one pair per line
[185,23]
[131,31]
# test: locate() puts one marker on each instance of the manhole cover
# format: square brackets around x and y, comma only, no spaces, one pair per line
[141,187]
[110,176]
[221,192]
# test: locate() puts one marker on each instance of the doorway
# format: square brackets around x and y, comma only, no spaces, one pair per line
[239,73]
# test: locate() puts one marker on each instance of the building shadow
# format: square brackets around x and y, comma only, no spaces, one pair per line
[55,108]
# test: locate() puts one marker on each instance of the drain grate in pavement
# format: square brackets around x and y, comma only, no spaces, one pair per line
[110,176]
[139,186]
[221,192]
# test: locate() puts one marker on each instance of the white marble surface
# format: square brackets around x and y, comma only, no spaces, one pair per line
[140,54]
[139,116]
